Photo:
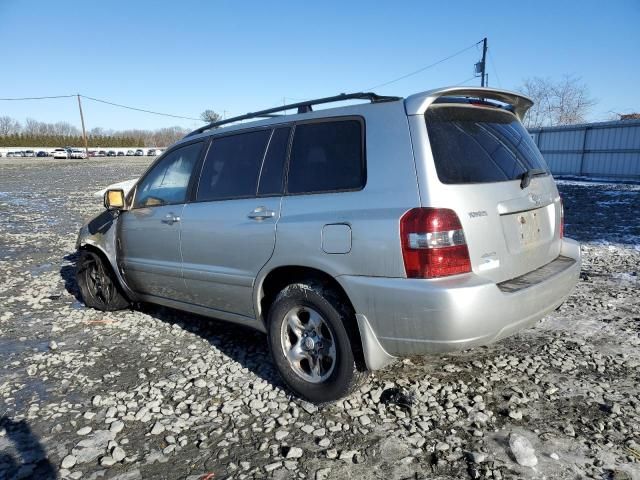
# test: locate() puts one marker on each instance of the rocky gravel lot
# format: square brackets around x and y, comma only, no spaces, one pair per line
[155,393]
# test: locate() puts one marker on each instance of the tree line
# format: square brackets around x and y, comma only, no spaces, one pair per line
[26,140]
[62,134]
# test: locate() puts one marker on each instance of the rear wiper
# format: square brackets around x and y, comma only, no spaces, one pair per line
[526,177]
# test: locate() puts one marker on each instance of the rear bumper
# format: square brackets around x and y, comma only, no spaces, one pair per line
[414,317]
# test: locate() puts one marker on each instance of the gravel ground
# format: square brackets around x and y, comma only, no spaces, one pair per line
[156,393]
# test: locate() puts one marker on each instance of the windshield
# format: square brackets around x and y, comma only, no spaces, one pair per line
[473,144]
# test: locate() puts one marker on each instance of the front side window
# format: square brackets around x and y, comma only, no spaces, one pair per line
[232,166]
[167,182]
[326,156]
[477,145]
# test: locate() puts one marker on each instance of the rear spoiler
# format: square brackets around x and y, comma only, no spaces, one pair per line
[417,104]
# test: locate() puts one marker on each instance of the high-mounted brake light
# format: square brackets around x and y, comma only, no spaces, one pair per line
[561,218]
[433,243]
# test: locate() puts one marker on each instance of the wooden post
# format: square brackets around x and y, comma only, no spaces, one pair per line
[84,133]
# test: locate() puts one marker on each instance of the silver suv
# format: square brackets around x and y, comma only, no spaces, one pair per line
[351,236]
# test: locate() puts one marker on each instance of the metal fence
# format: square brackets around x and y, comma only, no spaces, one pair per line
[605,149]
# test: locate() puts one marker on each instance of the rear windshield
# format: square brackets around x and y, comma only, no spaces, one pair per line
[480,145]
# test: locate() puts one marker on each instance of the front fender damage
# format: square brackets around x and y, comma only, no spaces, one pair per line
[100,233]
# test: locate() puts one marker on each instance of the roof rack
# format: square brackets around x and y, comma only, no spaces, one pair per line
[303,107]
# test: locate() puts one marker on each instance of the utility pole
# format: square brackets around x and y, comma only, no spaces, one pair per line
[483,63]
[84,133]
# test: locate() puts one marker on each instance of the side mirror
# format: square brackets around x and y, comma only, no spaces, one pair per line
[114,199]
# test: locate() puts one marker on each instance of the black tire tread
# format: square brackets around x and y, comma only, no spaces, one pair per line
[359,373]
[119,301]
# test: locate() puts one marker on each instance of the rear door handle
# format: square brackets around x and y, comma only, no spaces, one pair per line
[261,213]
[170,219]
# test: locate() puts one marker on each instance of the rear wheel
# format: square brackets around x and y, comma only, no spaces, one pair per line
[97,283]
[310,342]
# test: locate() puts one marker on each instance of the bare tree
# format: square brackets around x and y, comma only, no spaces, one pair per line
[97,132]
[9,126]
[167,136]
[65,129]
[34,127]
[563,102]
[540,91]
[210,116]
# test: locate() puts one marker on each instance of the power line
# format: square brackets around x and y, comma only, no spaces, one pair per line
[467,80]
[141,109]
[106,102]
[495,70]
[424,68]
[37,98]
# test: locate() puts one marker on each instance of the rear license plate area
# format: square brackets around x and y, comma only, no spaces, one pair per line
[528,227]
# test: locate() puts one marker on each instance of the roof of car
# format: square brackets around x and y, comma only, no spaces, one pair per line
[415,104]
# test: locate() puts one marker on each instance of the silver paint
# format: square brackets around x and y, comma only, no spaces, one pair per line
[214,260]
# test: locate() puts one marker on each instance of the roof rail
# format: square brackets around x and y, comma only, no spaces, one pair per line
[303,107]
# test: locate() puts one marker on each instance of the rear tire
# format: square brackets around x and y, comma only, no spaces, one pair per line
[98,285]
[310,342]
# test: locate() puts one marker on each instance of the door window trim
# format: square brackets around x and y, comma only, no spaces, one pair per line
[291,127]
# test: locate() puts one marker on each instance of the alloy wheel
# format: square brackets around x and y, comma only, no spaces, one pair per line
[308,344]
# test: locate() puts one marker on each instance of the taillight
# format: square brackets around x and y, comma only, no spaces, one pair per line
[433,243]
[561,218]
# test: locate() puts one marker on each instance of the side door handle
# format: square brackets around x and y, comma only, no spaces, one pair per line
[261,213]
[170,219]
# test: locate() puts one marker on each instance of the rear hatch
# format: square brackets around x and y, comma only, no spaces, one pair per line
[495,178]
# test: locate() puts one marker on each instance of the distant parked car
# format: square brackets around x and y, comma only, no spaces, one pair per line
[18,154]
[77,153]
[42,153]
[29,153]
[102,153]
[9,154]
[139,152]
[111,153]
[120,154]
[151,152]
[93,153]
[130,153]
[60,153]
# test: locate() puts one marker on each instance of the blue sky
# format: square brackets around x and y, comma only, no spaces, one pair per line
[183,57]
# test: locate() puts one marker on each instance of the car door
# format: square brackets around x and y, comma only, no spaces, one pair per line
[149,232]
[228,231]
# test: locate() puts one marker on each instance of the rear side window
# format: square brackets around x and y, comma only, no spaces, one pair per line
[480,145]
[326,156]
[232,166]
[272,174]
